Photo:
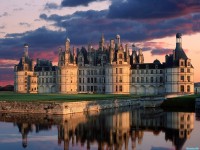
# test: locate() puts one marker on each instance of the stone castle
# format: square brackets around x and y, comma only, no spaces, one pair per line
[111,69]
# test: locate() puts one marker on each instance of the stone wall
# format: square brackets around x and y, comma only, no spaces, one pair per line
[53,107]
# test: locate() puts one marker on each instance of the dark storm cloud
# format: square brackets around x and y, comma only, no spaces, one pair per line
[85,27]
[51,6]
[40,39]
[74,3]
[152,9]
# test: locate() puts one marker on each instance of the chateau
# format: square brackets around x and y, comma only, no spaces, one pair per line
[112,69]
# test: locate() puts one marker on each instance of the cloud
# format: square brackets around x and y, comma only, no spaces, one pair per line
[24,24]
[8,63]
[74,3]
[2,27]
[85,27]
[4,14]
[152,9]
[17,9]
[49,6]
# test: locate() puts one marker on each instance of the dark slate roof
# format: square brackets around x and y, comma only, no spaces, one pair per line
[44,65]
[179,52]
[45,68]
[27,61]
[147,66]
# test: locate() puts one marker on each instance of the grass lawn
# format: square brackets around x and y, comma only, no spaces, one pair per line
[12,96]
[185,102]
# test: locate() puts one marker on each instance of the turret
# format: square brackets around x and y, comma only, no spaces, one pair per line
[178,40]
[74,55]
[67,45]
[117,42]
[140,56]
[25,50]
[101,43]
[134,54]
[179,53]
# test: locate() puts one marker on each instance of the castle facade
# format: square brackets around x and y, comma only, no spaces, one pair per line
[111,69]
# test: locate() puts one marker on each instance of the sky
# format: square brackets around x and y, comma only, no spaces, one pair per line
[44,25]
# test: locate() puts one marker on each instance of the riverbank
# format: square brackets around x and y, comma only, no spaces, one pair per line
[58,107]
[180,103]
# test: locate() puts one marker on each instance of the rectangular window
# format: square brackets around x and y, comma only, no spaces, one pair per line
[79,80]
[147,80]
[120,70]
[182,78]
[161,79]
[116,70]
[120,62]
[182,88]
[142,71]
[161,71]
[116,88]
[188,70]
[88,80]
[142,79]
[188,78]
[138,80]
[133,79]
[120,79]
[182,69]
[188,88]
[151,71]
[120,88]
[151,79]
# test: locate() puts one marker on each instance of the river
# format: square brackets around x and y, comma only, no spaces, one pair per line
[123,128]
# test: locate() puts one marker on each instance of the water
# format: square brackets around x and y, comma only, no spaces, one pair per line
[125,128]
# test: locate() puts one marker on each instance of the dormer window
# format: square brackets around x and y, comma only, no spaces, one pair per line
[182,63]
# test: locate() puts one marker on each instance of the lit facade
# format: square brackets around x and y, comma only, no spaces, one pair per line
[113,69]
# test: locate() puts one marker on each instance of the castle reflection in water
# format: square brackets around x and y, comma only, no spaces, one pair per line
[110,129]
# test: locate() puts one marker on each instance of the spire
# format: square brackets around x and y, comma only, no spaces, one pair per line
[25,50]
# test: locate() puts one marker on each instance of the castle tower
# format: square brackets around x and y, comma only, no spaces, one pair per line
[67,70]
[25,80]
[179,70]
[118,71]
